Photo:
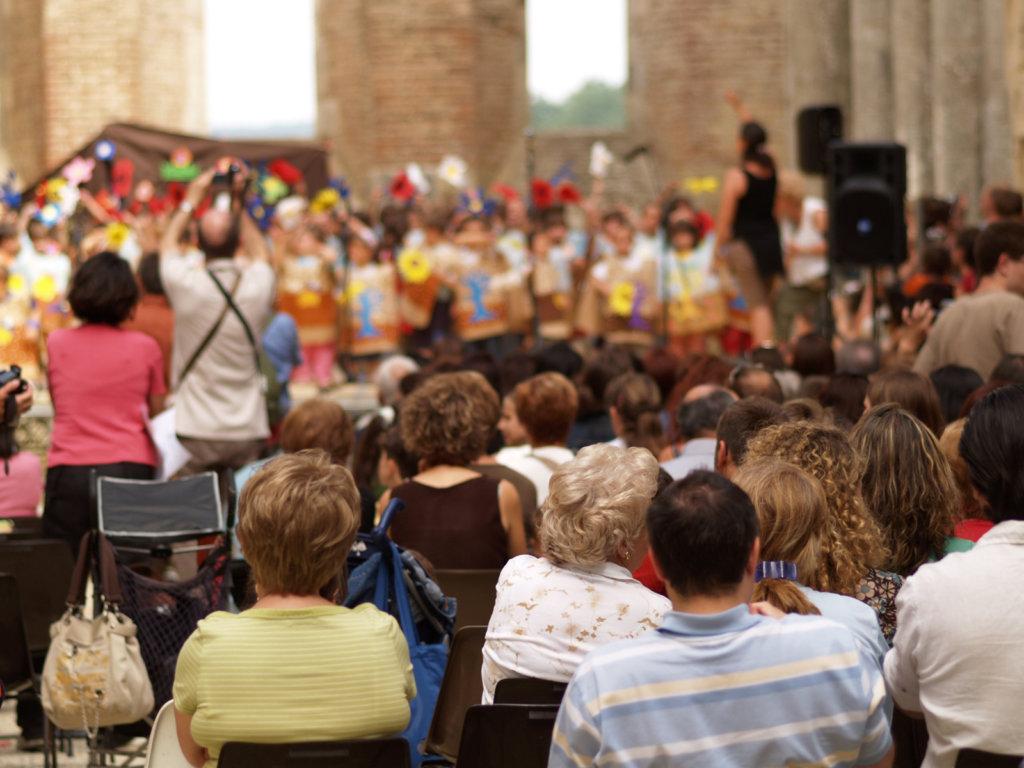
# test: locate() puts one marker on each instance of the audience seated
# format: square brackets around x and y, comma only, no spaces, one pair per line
[957,656]
[853,550]
[843,397]
[551,611]
[755,381]
[295,666]
[953,384]
[634,406]
[722,682]
[546,405]
[793,515]
[912,392]
[696,422]
[971,523]
[454,516]
[740,422]
[908,486]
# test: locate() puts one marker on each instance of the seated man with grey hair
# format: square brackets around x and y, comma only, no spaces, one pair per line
[697,420]
[861,357]
[388,380]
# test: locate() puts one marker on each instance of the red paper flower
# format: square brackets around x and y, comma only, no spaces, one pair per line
[567,192]
[704,222]
[175,194]
[121,177]
[505,192]
[285,171]
[541,193]
[402,189]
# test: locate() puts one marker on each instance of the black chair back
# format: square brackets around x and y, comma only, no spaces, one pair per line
[461,688]
[974,758]
[15,661]
[160,511]
[474,591]
[43,569]
[507,736]
[354,753]
[529,690]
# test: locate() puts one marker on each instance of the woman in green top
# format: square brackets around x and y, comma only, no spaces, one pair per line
[295,666]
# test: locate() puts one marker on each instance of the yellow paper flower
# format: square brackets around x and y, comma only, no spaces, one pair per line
[355,289]
[560,300]
[308,300]
[16,285]
[44,290]
[701,184]
[621,299]
[117,233]
[55,189]
[6,337]
[414,266]
[326,199]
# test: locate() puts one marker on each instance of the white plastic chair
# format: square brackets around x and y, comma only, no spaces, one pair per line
[163,750]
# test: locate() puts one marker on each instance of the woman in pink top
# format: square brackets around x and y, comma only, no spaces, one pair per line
[104,382]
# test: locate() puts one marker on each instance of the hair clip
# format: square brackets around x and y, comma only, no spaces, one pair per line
[775,569]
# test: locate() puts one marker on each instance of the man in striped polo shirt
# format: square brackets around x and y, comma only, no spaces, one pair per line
[722,683]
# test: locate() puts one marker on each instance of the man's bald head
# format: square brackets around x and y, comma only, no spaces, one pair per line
[218,234]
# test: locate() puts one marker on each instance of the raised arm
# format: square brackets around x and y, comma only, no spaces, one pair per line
[741,110]
[179,219]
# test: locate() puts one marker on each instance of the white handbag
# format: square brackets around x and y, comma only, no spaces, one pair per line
[94,674]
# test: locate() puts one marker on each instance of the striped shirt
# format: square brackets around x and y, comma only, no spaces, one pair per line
[728,689]
[284,675]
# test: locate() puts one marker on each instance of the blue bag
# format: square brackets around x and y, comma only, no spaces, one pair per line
[391,596]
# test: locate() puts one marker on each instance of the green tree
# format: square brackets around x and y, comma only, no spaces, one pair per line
[594,105]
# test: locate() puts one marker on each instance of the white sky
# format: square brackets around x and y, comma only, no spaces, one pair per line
[569,42]
[260,56]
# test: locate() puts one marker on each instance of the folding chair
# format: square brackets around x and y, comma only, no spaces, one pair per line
[355,753]
[474,592]
[163,750]
[21,528]
[43,569]
[507,736]
[16,670]
[974,758]
[529,690]
[461,688]
[161,518]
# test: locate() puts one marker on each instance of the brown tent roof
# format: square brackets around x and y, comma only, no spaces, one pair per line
[149,147]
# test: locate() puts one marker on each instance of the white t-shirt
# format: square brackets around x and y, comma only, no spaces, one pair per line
[220,398]
[548,617]
[805,268]
[538,464]
[957,655]
[33,265]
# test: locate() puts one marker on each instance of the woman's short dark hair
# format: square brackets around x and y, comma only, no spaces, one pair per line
[103,290]
[993,447]
[844,395]
[954,383]
[813,356]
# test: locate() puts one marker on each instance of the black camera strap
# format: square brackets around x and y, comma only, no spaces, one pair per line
[213,331]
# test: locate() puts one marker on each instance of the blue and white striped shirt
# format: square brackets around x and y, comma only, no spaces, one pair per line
[728,689]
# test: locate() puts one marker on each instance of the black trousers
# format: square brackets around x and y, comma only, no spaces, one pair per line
[68,513]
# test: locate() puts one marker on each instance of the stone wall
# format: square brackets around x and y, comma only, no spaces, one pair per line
[69,67]
[401,82]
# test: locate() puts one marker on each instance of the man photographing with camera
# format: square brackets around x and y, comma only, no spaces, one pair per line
[221,416]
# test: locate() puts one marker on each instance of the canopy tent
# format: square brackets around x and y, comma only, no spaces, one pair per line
[149,148]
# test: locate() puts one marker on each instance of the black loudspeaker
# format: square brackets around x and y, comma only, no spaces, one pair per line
[867,184]
[816,128]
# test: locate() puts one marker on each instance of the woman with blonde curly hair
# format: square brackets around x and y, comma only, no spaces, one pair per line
[455,516]
[907,485]
[793,514]
[852,550]
[552,610]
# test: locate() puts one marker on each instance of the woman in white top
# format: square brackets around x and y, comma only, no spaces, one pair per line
[553,610]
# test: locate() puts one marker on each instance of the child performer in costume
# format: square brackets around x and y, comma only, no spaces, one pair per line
[306,292]
[369,314]
[551,281]
[426,284]
[697,305]
[491,307]
[619,300]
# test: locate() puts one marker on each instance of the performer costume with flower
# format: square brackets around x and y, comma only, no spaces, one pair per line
[551,280]
[19,326]
[490,298]
[697,299]
[619,299]
[368,300]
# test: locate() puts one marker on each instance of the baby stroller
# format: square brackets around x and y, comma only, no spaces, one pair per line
[382,573]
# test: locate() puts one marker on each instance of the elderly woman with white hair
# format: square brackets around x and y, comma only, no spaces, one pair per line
[552,610]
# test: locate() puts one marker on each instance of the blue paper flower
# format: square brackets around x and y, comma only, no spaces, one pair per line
[105,150]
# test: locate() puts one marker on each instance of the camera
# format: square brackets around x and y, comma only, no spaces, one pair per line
[226,173]
[10,412]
